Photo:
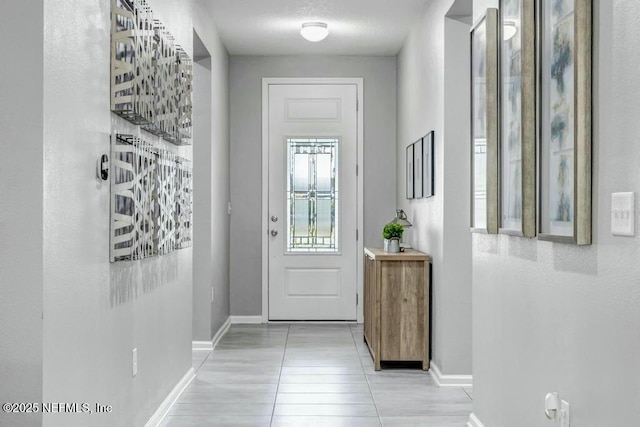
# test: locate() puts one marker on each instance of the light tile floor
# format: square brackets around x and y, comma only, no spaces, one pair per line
[309,375]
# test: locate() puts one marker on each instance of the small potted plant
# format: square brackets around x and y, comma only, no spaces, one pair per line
[392,234]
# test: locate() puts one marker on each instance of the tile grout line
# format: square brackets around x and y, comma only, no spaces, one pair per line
[203,360]
[195,376]
[375,405]
[284,353]
[465,392]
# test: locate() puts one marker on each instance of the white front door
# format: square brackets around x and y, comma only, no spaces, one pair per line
[312,206]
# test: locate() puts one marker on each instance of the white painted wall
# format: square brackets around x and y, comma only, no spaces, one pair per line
[553,317]
[433,95]
[246,73]
[21,208]
[95,312]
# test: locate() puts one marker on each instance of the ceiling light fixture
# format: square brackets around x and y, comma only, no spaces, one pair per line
[314,31]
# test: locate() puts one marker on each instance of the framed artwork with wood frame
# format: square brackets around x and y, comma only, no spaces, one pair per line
[564,120]
[484,124]
[409,172]
[517,103]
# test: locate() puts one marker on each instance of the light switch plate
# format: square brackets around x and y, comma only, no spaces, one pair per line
[623,214]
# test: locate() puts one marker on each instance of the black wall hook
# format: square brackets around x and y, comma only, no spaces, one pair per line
[103,167]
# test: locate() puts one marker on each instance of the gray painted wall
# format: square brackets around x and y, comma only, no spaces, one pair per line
[554,317]
[379,75]
[220,176]
[430,99]
[21,235]
[55,227]
[211,191]
[454,300]
[202,217]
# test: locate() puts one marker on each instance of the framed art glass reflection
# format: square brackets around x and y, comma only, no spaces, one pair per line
[517,118]
[564,59]
[484,123]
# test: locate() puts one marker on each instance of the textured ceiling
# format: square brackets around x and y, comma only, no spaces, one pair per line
[272,27]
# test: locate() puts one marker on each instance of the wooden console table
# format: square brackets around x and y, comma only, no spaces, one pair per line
[396,306]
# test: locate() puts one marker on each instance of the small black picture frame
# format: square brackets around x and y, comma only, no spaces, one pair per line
[409,172]
[418,169]
[428,165]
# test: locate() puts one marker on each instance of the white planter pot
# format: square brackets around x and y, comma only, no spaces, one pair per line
[392,245]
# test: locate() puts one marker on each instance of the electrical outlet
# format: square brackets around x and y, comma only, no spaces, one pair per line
[565,415]
[134,366]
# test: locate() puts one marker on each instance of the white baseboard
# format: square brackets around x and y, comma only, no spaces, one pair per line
[174,395]
[221,331]
[171,398]
[449,380]
[246,320]
[210,345]
[474,421]
[201,346]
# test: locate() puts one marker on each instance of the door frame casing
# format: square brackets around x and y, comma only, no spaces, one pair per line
[359,83]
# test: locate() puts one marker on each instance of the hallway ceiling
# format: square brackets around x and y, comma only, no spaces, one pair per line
[272,27]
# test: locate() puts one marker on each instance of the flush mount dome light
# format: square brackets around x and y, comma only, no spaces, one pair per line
[509,30]
[314,31]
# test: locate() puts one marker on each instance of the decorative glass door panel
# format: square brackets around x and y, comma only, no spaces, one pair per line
[312,195]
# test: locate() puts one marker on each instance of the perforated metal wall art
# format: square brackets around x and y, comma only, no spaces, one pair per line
[151,76]
[184,203]
[151,200]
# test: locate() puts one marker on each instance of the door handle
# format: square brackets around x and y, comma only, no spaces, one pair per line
[274,232]
[274,218]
